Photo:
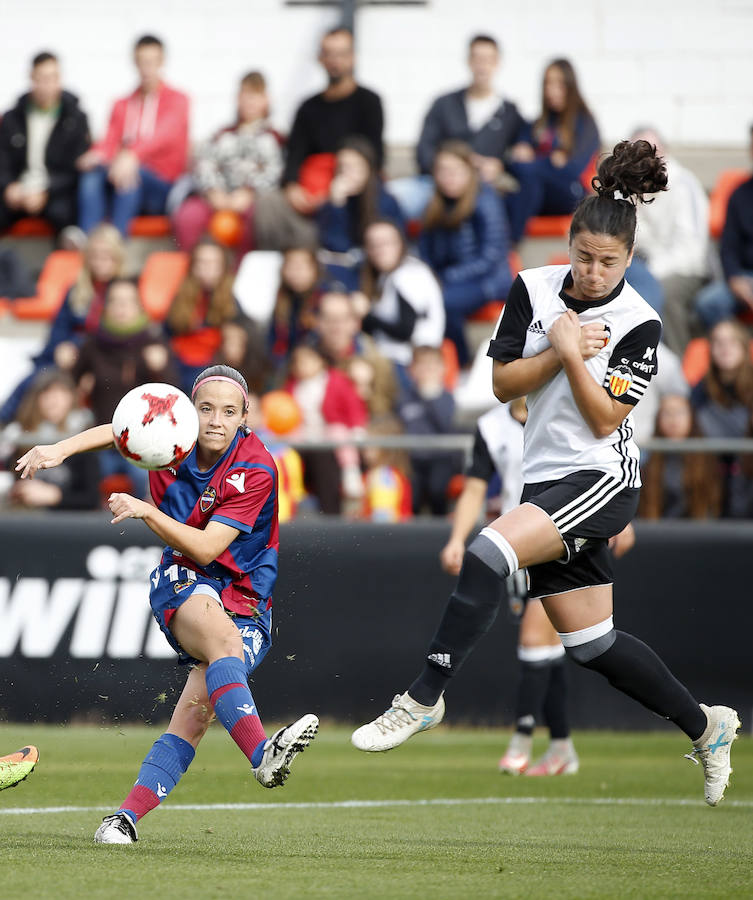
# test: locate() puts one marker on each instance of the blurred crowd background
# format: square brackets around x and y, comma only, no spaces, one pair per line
[354,281]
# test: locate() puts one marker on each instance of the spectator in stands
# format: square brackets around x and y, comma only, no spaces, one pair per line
[465,240]
[477,114]
[387,495]
[204,302]
[734,295]
[672,247]
[239,162]
[322,122]
[425,407]
[375,384]
[723,405]
[41,140]
[356,198]
[80,312]
[243,348]
[331,409]
[296,304]
[127,350]
[143,152]
[679,486]
[558,149]
[49,412]
[338,335]
[400,301]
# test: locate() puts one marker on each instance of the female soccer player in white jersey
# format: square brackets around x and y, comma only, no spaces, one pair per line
[581,344]
[211,593]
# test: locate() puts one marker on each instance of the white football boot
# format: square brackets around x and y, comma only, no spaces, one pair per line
[402,720]
[280,750]
[559,759]
[518,754]
[117,829]
[713,748]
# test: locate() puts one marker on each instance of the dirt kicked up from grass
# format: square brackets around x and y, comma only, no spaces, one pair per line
[432,819]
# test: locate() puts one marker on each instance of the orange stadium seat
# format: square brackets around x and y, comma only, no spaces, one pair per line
[548,226]
[726,183]
[451,364]
[150,227]
[60,271]
[30,227]
[160,279]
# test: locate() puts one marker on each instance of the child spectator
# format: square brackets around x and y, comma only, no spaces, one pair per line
[356,198]
[400,301]
[549,162]
[48,414]
[723,405]
[679,486]
[297,302]
[204,302]
[465,240]
[290,490]
[426,408]
[241,161]
[377,388]
[143,152]
[387,494]
[41,139]
[331,409]
[127,350]
[80,312]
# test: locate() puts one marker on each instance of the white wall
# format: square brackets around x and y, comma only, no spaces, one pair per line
[684,65]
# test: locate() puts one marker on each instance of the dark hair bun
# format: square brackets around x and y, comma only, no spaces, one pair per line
[634,170]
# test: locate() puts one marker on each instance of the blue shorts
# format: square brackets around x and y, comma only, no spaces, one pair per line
[173,585]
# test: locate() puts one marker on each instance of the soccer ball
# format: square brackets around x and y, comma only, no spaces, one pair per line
[155,426]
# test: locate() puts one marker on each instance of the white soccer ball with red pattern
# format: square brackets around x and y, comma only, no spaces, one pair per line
[155,426]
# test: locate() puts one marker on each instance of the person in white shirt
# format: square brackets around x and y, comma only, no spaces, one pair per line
[581,344]
[672,241]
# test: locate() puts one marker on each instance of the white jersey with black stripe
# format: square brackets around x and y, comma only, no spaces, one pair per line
[558,441]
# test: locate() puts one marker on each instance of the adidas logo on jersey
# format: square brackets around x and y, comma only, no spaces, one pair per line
[441,659]
[536,327]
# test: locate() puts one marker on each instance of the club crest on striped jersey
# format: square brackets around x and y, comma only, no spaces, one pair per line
[620,381]
[206,501]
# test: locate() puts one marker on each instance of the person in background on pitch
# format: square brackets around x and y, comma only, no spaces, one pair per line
[581,344]
[211,593]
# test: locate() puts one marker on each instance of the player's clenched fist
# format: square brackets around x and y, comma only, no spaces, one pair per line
[124,506]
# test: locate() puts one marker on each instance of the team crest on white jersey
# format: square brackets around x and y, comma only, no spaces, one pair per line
[238,481]
[620,381]
[206,501]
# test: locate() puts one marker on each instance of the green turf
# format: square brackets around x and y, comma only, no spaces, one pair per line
[566,845]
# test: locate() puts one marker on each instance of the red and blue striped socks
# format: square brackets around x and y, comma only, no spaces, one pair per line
[161,770]
[227,686]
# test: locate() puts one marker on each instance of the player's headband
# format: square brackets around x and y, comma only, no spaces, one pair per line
[221,378]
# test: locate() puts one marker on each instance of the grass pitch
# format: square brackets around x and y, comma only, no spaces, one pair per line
[432,819]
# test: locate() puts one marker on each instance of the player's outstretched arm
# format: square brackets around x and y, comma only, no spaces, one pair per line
[203,546]
[47,456]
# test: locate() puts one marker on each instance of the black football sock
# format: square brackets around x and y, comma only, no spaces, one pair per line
[555,702]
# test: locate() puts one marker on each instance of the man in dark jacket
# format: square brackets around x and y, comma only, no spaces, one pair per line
[40,140]
[477,115]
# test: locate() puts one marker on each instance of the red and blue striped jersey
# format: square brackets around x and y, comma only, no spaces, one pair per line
[239,490]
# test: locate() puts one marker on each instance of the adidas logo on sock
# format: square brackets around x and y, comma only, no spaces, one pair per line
[536,327]
[441,659]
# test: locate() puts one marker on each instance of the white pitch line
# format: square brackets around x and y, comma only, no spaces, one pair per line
[386,804]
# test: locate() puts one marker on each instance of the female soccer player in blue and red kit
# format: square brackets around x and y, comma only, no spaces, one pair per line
[211,593]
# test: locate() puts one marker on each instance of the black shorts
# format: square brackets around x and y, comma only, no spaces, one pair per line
[587,508]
